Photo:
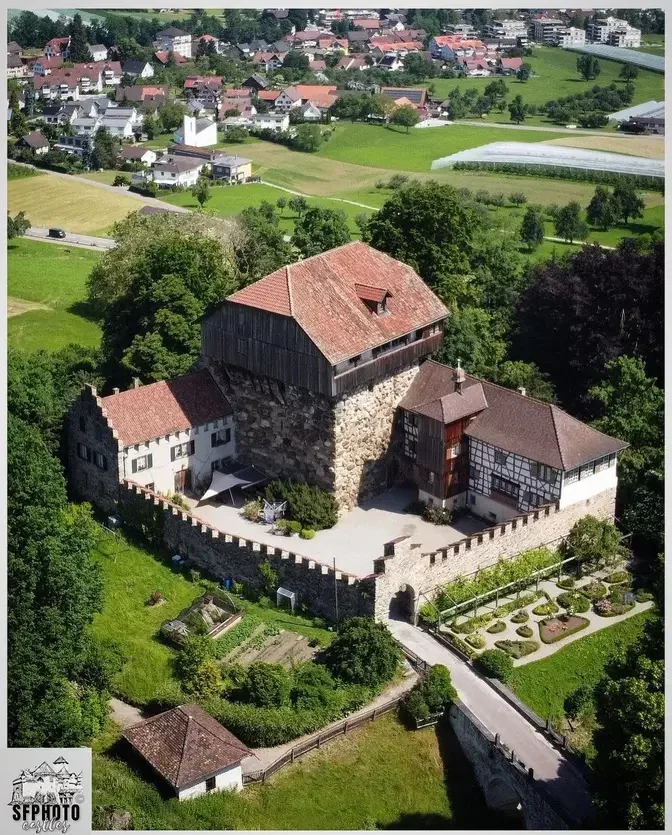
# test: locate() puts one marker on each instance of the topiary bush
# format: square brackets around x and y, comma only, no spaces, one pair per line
[498,626]
[476,641]
[573,600]
[520,617]
[518,649]
[549,608]
[364,652]
[524,631]
[460,645]
[312,507]
[495,664]
[307,533]
[593,590]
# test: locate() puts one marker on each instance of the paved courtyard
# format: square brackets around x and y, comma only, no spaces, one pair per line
[358,537]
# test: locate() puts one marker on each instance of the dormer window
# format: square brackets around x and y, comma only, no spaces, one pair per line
[375,298]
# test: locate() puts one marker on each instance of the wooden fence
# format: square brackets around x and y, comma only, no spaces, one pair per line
[319,740]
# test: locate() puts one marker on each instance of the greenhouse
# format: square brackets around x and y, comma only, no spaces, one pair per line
[655,63]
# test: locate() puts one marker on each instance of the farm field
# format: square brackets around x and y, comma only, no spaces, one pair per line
[52,278]
[555,76]
[378,777]
[68,203]
[131,575]
[544,685]
[636,146]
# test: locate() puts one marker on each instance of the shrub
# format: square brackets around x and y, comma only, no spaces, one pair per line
[120,180]
[269,577]
[517,649]
[167,696]
[251,510]
[498,626]
[593,591]
[196,649]
[206,681]
[364,652]
[437,688]
[573,600]
[313,687]
[429,614]
[617,577]
[518,198]
[579,701]
[438,515]
[549,608]
[293,526]
[460,645]
[268,685]
[495,664]
[476,641]
[566,583]
[472,624]
[194,575]
[155,598]
[520,617]
[312,507]
[642,596]
[307,533]
[416,706]
[524,631]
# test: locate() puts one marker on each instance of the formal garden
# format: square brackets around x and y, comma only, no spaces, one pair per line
[527,607]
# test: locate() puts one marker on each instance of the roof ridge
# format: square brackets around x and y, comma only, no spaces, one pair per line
[184,743]
[289,289]
[557,436]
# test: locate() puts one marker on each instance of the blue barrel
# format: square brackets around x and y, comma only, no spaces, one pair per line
[227,583]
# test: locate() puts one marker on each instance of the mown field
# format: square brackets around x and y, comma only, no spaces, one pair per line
[545,684]
[378,777]
[555,76]
[53,277]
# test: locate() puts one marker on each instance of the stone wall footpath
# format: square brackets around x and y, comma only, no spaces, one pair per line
[223,556]
[404,565]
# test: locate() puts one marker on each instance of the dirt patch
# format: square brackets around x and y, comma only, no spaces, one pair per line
[287,649]
[636,146]
[15,307]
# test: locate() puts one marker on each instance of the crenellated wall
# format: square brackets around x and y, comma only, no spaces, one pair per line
[405,565]
[224,555]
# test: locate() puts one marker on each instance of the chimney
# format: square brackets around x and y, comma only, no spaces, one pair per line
[459,377]
[115,390]
[522,390]
[136,382]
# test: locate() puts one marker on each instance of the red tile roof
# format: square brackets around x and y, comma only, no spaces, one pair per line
[511,63]
[268,95]
[186,745]
[320,294]
[161,408]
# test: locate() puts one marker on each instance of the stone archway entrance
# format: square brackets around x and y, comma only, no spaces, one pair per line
[403,605]
[501,797]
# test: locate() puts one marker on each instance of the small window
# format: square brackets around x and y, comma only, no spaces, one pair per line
[587,470]
[602,464]
[571,476]
[100,460]
[210,784]
[221,437]
[182,450]
[543,473]
[474,473]
[98,432]
[82,424]
[501,458]
[144,462]
[410,447]
[431,477]
[83,452]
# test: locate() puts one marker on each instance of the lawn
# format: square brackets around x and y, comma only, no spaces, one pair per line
[131,575]
[379,146]
[555,76]
[54,276]
[68,203]
[543,685]
[379,777]
[227,201]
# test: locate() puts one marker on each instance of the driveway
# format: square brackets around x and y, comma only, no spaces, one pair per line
[562,780]
[71,239]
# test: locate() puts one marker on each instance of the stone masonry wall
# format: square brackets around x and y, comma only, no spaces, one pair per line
[88,481]
[364,421]
[405,565]
[223,555]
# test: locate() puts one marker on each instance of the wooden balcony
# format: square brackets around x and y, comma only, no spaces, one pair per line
[386,363]
[504,498]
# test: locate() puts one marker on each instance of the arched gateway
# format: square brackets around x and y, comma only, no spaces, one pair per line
[403,604]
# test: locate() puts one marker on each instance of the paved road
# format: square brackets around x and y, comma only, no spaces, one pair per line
[577,243]
[71,239]
[561,778]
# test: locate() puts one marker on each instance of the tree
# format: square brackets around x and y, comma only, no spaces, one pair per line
[405,116]
[523,73]
[600,212]
[629,72]
[52,581]
[261,249]
[201,191]
[496,663]
[588,67]
[569,224]
[595,541]
[313,687]
[579,313]
[469,335]
[418,67]
[517,374]
[17,226]
[296,61]
[281,203]
[151,126]
[430,227]
[626,202]
[307,138]
[79,51]
[532,228]
[361,222]
[105,149]
[364,652]
[298,205]
[172,116]
[497,92]
[518,110]
[319,230]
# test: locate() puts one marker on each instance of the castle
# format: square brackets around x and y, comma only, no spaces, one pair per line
[320,372]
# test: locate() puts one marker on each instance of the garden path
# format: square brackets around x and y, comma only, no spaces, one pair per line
[124,714]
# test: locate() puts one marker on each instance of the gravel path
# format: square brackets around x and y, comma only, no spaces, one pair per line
[123,714]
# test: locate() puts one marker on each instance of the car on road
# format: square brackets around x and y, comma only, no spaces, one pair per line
[56,233]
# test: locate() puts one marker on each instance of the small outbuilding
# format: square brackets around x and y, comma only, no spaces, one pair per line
[190,750]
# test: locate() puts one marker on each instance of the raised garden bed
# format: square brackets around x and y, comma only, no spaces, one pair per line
[213,614]
[549,608]
[555,629]
[617,577]
[566,583]
[618,603]
[524,631]
[517,649]
[573,600]
[498,626]
[476,641]
[593,590]
[520,617]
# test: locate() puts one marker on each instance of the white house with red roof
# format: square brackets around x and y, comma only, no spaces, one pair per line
[57,47]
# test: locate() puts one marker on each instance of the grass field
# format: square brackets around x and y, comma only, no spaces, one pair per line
[131,575]
[543,685]
[636,146]
[379,777]
[555,76]
[54,276]
[67,203]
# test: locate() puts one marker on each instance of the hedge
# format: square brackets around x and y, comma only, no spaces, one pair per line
[495,664]
[312,507]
